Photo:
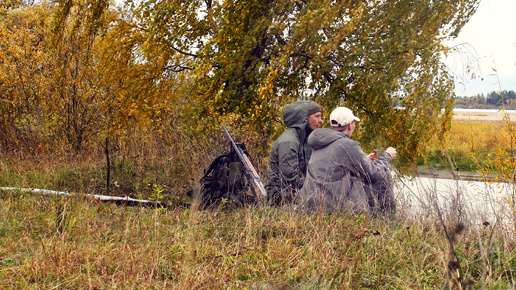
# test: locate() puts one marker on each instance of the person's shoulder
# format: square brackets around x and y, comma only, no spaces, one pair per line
[289,135]
[323,131]
[348,142]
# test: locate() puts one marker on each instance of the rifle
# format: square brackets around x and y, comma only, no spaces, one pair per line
[250,172]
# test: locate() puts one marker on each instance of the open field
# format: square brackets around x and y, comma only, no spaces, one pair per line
[483,115]
[479,145]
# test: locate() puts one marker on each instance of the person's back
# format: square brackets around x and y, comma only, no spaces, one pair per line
[340,176]
[290,153]
[338,171]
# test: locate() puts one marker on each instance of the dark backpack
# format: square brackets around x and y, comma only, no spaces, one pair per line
[224,183]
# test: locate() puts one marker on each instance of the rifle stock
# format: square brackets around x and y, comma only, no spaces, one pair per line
[257,188]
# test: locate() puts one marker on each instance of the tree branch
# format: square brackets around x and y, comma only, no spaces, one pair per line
[184,52]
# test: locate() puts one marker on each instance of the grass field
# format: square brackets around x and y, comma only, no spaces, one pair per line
[74,242]
[484,115]
[481,143]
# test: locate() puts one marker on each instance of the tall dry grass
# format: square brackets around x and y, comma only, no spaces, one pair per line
[74,242]
[139,164]
[63,242]
[476,146]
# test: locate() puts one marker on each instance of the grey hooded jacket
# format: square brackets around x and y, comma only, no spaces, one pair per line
[289,155]
[340,174]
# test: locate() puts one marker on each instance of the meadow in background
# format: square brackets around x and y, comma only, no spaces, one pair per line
[481,142]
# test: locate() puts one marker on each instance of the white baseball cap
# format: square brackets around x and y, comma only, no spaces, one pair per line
[342,116]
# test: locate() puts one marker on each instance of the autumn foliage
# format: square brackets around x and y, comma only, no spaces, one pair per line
[89,76]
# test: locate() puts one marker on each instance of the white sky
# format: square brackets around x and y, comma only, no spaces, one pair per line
[488,43]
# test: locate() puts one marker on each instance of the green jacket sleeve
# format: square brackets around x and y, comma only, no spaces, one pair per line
[288,161]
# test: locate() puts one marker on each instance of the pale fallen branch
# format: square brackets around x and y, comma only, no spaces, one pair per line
[107,198]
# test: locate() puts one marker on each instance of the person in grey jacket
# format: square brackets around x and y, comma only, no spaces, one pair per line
[340,176]
[290,153]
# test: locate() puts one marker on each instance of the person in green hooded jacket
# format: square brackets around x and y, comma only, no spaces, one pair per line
[290,153]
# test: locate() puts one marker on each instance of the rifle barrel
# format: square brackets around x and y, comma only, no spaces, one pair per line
[250,170]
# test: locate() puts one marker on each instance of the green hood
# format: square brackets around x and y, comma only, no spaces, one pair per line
[295,115]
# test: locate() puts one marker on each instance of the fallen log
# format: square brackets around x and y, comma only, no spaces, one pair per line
[105,198]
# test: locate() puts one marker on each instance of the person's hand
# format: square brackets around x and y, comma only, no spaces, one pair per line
[372,156]
[392,152]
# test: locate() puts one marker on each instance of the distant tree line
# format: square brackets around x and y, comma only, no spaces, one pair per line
[490,101]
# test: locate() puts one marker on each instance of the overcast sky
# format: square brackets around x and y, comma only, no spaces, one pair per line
[488,43]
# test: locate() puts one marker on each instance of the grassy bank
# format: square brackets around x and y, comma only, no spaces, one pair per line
[64,242]
[144,167]
[75,242]
[475,146]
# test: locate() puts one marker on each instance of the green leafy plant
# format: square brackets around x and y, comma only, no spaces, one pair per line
[157,192]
